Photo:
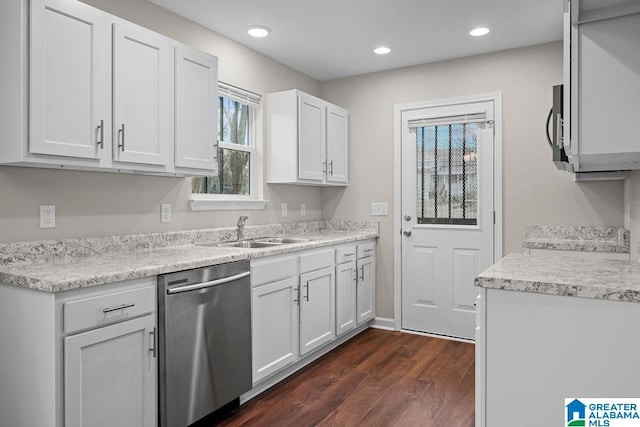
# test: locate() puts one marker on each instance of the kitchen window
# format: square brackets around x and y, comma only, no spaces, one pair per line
[238,184]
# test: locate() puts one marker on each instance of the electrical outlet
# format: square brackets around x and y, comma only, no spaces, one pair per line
[165,212]
[379,209]
[284,210]
[47,216]
[303,209]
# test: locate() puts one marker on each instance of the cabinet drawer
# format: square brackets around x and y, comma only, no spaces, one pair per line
[316,260]
[104,309]
[272,269]
[345,254]
[366,249]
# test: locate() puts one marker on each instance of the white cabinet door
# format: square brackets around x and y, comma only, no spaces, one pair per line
[337,144]
[69,79]
[345,297]
[317,308]
[196,109]
[110,375]
[274,330]
[142,95]
[365,292]
[311,138]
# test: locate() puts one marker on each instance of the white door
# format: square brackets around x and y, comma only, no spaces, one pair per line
[69,63]
[337,144]
[274,320]
[142,95]
[317,309]
[447,214]
[365,291]
[345,297]
[196,109]
[311,137]
[110,375]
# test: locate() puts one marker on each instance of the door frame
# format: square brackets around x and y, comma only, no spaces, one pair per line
[496,98]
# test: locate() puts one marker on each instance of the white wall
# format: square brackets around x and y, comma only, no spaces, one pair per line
[99,204]
[534,192]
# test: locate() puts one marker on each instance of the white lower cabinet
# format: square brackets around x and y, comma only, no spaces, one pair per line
[274,326]
[317,309]
[365,292]
[345,297]
[109,375]
[303,302]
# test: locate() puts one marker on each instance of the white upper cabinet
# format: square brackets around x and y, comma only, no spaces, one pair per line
[83,89]
[307,140]
[69,75]
[142,95]
[337,144]
[311,137]
[196,93]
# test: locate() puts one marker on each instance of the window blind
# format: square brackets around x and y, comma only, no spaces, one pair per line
[248,98]
[448,120]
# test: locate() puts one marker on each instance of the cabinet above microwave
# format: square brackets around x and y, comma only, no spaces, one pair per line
[601,129]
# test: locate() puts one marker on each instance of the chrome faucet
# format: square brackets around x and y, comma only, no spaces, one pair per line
[241,222]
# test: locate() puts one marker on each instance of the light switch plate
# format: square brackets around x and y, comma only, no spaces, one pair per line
[303,209]
[47,216]
[284,210]
[165,212]
[379,209]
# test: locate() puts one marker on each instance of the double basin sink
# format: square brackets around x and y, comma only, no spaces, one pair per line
[262,242]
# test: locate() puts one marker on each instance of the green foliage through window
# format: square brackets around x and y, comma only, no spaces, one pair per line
[234,152]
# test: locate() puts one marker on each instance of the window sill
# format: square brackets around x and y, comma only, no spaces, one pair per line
[204,203]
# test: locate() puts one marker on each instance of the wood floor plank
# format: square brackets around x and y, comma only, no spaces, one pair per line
[379,378]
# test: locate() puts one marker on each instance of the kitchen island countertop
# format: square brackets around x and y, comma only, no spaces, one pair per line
[606,279]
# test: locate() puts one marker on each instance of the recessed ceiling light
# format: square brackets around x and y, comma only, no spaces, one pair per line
[480,31]
[258,31]
[382,50]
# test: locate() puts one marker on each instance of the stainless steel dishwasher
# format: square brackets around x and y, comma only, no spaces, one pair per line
[204,341]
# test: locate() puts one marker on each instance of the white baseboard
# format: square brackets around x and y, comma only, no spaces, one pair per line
[384,323]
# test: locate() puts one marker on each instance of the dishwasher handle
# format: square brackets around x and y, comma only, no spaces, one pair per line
[212,283]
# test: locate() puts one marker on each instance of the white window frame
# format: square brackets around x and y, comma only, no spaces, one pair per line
[253,201]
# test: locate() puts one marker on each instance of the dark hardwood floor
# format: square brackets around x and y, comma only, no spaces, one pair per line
[379,378]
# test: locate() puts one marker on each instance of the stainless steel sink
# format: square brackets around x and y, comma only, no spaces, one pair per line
[263,242]
[248,244]
[282,240]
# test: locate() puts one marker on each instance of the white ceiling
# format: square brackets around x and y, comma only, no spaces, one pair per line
[329,39]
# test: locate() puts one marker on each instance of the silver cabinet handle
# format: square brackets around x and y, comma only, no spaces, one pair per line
[118,307]
[331,168]
[349,254]
[354,273]
[407,232]
[407,217]
[362,273]
[368,250]
[101,131]
[217,282]
[152,349]
[307,296]
[296,298]
[121,138]
[324,168]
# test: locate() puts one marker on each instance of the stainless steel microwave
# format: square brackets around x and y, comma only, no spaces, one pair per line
[556,117]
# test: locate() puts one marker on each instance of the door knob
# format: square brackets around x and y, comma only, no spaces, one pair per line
[407,232]
[407,217]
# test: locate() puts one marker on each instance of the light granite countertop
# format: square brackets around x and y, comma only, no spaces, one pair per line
[55,266]
[553,275]
[577,238]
